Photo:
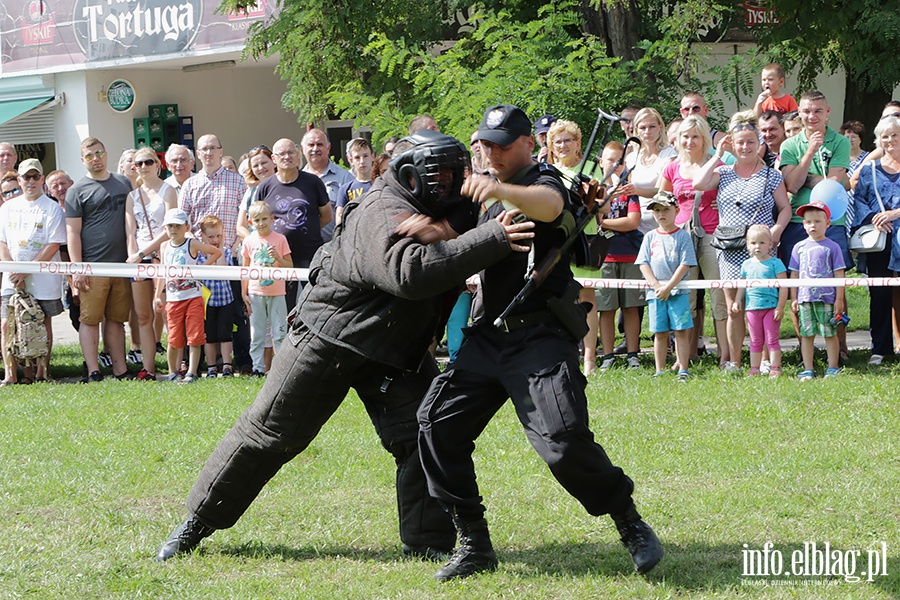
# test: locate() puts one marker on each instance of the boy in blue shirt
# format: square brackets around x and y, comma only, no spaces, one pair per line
[667,254]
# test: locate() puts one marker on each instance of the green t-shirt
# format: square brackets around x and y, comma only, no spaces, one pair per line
[834,153]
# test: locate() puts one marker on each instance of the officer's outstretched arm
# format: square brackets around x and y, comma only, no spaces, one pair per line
[538,202]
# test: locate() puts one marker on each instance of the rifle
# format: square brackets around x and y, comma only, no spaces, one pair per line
[601,116]
[540,274]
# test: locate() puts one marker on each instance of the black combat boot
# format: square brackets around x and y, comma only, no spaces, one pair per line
[639,539]
[184,539]
[475,552]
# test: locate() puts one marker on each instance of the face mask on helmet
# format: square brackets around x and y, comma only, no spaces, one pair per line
[432,170]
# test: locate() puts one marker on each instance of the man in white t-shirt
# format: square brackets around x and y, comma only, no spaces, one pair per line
[32,227]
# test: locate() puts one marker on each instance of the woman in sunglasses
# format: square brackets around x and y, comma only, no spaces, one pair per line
[9,186]
[749,193]
[151,198]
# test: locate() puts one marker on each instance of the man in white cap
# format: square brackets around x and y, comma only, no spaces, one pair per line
[32,227]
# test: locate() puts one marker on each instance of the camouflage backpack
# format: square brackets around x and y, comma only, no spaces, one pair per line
[26,334]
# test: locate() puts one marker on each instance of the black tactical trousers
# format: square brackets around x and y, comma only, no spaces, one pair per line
[308,381]
[537,367]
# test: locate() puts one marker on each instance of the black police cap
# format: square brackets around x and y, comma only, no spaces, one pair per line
[503,124]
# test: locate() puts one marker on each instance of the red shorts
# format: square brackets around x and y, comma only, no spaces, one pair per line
[185,317]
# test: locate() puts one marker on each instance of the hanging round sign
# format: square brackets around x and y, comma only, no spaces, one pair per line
[121,95]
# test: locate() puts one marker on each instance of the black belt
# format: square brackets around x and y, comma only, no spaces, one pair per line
[514,322]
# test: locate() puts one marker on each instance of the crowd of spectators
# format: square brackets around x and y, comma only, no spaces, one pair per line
[759,171]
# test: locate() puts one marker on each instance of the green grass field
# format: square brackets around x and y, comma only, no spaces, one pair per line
[93,478]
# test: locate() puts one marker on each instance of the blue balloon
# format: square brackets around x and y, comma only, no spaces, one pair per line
[833,195]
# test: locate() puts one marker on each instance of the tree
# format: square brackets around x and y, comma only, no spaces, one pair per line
[860,37]
[566,57]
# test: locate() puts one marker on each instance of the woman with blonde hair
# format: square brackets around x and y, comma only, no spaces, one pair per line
[126,166]
[564,143]
[647,164]
[698,214]
[748,194]
[151,198]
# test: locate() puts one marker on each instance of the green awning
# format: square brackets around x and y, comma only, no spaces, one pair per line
[11,109]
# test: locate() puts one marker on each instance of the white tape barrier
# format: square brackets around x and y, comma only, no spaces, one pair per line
[152,271]
[733,284]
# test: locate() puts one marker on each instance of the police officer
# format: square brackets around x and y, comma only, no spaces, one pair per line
[366,320]
[532,358]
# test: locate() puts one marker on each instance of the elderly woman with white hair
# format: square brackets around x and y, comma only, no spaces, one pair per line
[877,201]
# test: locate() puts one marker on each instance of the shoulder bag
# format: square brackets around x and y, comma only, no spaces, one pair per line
[867,238]
[734,237]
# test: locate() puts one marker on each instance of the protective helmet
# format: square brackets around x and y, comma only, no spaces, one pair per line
[431,166]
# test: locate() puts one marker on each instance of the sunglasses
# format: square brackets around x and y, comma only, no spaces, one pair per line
[92,155]
[144,163]
[31,177]
[743,126]
[12,193]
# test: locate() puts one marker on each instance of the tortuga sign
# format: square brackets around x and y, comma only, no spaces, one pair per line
[109,29]
[40,36]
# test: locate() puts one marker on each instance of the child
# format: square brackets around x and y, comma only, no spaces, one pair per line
[184,300]
[361,158]
[772,96]
[220,306]
[621,221]
[765,306]
[817,257]
[667,253]
[264,299]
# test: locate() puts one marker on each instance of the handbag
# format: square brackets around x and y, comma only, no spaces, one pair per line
[867,238]
[734,237]
[729,237]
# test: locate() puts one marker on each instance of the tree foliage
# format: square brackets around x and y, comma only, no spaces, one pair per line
[544,65]
[382,64]
[818,37]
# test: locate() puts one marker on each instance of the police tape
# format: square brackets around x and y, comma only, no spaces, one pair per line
[154,271]
[159,271]
[733,284]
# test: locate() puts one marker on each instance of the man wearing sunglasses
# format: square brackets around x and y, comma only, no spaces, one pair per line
[32,227]
[101,228]
[693,103]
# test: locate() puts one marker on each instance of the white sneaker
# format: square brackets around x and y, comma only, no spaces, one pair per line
[607,363]
[876,360]
[765,367]
[634,362]
[731,367]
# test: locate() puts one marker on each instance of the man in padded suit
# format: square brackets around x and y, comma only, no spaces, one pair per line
[531,357]
[367,317]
